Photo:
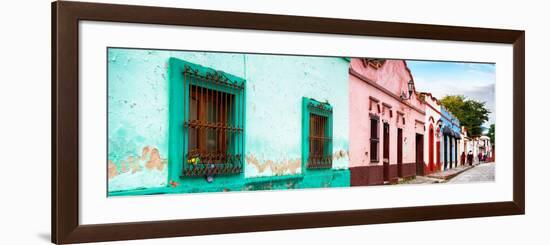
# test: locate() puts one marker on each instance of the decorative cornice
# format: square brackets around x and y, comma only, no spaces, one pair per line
[374,63]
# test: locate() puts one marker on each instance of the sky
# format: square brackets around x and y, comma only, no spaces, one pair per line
[473,80]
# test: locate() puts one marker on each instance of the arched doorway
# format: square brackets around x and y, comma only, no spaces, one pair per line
[431,148]
[438,148]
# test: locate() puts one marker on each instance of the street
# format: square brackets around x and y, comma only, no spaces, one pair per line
[482,172]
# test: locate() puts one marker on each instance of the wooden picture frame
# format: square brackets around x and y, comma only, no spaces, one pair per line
[65,121]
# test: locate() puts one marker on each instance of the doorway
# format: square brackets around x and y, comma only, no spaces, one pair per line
[431,148]
[465,152]
[400,152]
[445,152]
[451,152]
[419,154]
[438,155]
[457,157]
[386,152]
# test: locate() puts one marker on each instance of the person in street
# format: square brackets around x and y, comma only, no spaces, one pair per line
[462,158]
[479,157]
[470,158]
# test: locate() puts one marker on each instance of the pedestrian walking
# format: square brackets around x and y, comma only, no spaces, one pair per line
[470,158]
[479,157]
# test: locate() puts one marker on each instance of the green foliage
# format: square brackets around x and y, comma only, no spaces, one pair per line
[491,133]
[454,104]
[472,114]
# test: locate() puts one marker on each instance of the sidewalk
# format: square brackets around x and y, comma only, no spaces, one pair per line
[450,173]
[440,177]
[422,180]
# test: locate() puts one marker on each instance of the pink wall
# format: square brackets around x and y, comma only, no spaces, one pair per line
[433,115]
[392,77]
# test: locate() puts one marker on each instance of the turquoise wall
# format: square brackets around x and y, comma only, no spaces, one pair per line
[275,87]
[138,119]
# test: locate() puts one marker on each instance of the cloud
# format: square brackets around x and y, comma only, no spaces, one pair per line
[484,93]
[473,80]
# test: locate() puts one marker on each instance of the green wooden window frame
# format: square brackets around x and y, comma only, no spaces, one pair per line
[183,76]
[324,109]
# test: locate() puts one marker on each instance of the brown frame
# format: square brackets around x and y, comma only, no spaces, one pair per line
[65,210]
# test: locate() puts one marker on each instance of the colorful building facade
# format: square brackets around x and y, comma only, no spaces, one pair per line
[387,122]
[478,146]
[432,146]
[181,122]
[185,122]
[485,148]
[464,146]
[451,134]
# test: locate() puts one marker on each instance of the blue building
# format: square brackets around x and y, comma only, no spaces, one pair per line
[450,133]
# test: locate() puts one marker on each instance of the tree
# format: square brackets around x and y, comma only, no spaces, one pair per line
[491,133]
[471,114]
[454,104]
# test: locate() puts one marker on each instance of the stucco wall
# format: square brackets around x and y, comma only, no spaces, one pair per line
[432,117]
[450,121]
[445,122]
[393,76]
[138,111]
[275,87]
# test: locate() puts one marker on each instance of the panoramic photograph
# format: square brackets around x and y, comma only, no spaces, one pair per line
[197,122]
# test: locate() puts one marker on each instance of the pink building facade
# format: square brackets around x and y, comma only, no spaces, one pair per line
[387,122]
[432,144]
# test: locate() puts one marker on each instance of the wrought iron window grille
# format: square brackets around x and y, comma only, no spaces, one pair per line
[318,134]
[213,122]
[374,139]
[319,157]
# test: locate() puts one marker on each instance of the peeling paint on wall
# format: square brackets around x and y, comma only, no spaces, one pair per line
[341,154]
[289,166]
[124,172]
[276,85]
[150,158]
[111,170]
[155,162]
[138,113]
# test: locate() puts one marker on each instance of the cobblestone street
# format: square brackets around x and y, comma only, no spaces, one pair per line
[482,172]
[479,173]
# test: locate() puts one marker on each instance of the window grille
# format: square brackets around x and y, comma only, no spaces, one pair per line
[318,142]
[374,139]
[214,123]
[319,135]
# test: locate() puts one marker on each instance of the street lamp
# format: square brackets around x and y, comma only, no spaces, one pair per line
[410,85]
